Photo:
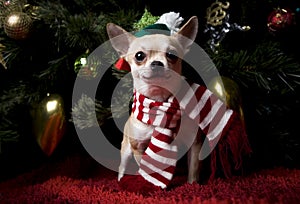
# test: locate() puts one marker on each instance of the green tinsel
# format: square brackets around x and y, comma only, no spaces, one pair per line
[146,19]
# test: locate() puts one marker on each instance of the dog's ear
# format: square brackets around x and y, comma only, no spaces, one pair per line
[188,33]
[119,38]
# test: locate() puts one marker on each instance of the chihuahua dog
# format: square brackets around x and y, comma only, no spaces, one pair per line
[156,66]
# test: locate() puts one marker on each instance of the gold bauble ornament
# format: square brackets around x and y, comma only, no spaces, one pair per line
[229,92]
[49,122]
[18,25]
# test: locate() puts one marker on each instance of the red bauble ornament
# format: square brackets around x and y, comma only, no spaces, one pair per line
[280,19]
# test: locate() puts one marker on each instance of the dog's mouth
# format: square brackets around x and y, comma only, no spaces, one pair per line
[148,75]
[153,76]
[157,84]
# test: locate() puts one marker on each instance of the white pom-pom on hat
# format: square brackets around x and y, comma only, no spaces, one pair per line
[172,20]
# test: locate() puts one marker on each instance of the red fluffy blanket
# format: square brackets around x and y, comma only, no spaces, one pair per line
[79,179]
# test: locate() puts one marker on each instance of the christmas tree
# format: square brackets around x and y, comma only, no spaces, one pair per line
[44,46]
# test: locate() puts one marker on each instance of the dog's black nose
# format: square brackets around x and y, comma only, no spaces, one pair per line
[157,66]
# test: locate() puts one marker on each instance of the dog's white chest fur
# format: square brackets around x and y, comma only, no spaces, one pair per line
[138,130]
[155,62]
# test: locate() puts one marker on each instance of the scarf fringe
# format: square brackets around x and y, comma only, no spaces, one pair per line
[230,150]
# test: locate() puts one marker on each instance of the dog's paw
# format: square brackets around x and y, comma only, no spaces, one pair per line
[120,176]
[121,172]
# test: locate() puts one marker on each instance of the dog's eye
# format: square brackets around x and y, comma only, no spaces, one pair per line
[140,56]
[172,56]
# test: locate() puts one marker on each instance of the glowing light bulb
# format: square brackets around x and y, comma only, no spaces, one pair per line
[83,61]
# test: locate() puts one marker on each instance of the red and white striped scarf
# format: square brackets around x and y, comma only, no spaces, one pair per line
[210,113]
[200,104]
[159,160]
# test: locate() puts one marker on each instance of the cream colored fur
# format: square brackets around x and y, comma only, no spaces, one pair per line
[156,74]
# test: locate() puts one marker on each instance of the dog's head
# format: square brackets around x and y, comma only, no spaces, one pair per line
[154,59]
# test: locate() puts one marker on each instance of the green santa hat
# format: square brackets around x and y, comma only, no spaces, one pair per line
[167,24]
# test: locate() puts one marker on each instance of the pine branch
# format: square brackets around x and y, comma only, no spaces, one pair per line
[7,133]
[81,30]
[89,113]
[50,78]
[265,67]
[14,96]
[124,18]
[52,13]
[120,104]
[11,51]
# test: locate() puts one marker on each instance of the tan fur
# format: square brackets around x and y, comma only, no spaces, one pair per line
[137,134]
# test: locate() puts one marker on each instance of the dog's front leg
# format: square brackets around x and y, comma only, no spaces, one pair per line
[126,155]
[194,164]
